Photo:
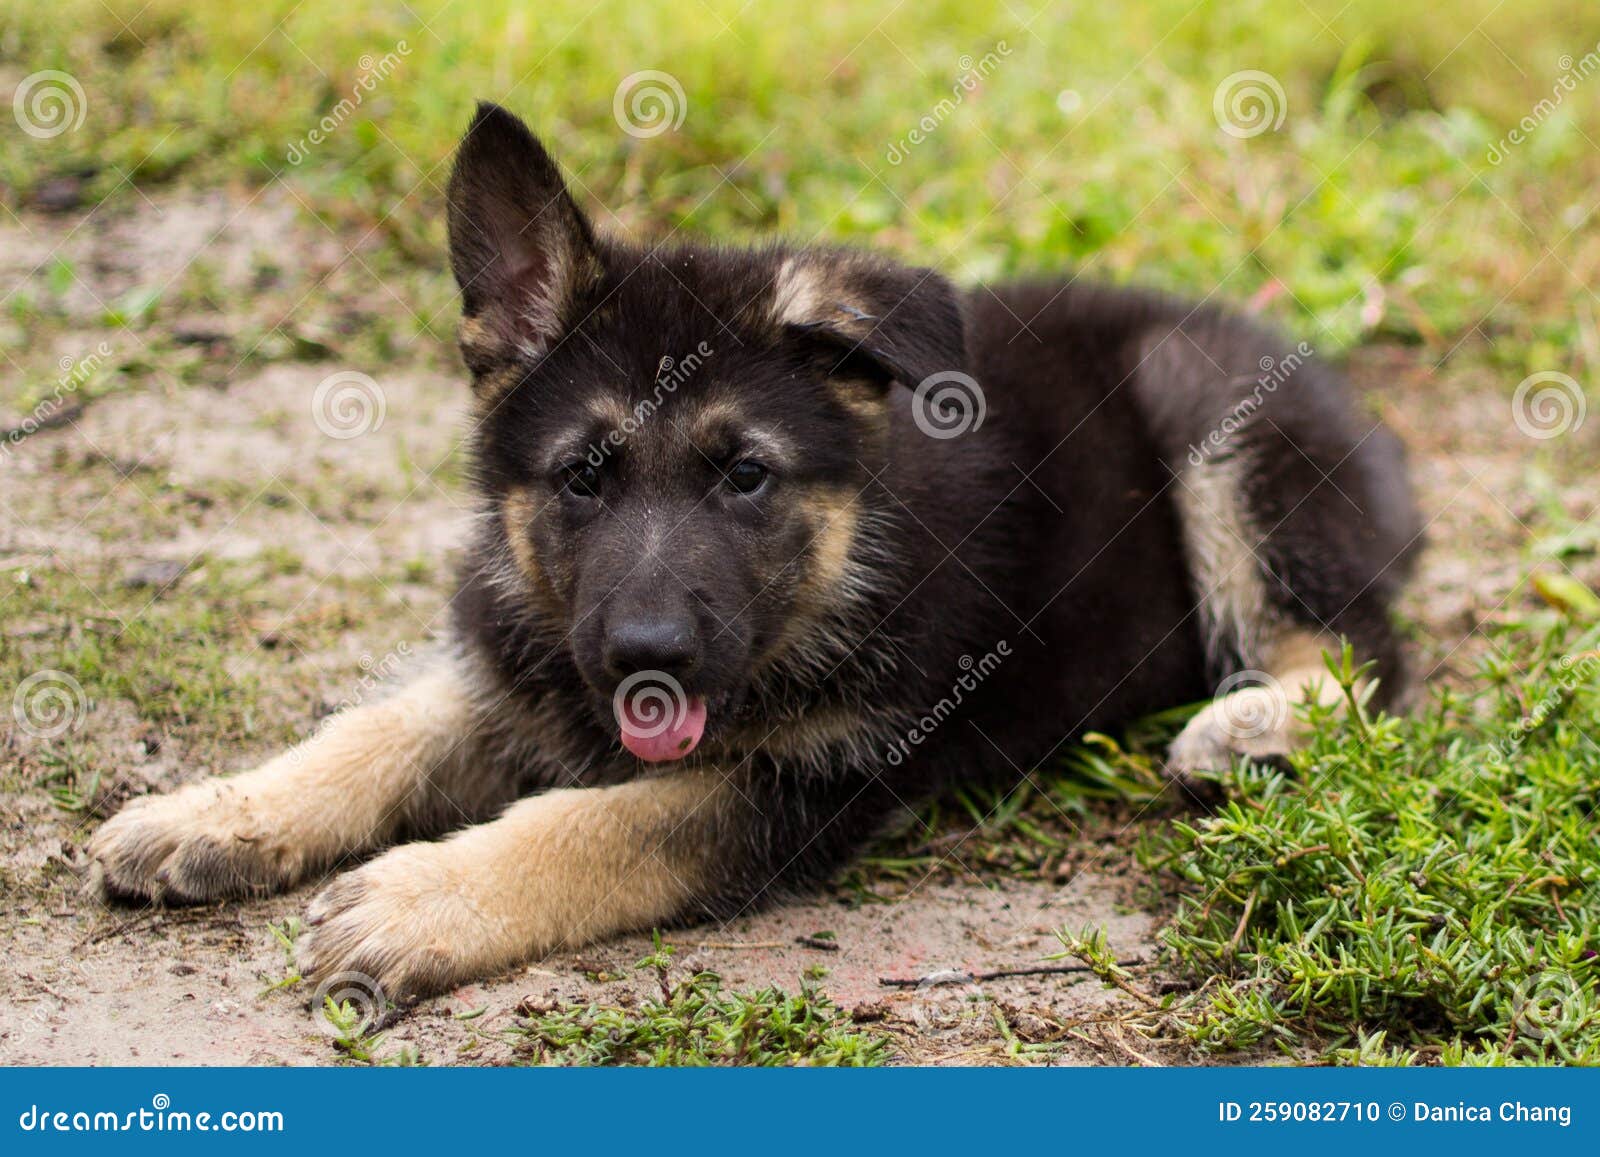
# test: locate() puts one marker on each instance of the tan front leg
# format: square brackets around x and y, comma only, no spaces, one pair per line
[350,788]
[555,871]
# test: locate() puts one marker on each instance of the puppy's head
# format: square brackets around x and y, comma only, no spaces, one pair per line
[676,445]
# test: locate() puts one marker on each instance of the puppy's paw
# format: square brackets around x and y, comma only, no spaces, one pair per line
[408,921]
[1253,721]
[200,843]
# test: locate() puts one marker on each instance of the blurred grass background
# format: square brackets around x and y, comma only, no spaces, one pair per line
[1373,212]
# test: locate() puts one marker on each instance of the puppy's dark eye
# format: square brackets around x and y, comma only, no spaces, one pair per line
[746,476]
[580,479]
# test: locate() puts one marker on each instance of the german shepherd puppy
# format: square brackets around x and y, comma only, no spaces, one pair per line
[775,544]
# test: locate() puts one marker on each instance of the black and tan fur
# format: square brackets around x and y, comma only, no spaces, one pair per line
[821,617]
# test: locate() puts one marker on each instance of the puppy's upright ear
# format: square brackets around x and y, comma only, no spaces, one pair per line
[904,322]
[520,248]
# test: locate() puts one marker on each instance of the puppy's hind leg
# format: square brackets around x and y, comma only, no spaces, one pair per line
[1297,522]
[371,773]
[1254,712]
[1270,604]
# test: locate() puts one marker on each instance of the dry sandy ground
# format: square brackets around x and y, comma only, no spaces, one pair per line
[219,418]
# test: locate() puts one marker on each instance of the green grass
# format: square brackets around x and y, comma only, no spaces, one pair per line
[1043,828]
[691,1021]
[1373,211]
[1416,890]
[208,669]
[1407,890]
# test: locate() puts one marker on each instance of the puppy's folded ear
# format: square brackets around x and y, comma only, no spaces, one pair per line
[905,322]
[521,250]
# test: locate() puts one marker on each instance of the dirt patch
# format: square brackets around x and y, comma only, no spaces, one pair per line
[194,987]
[200,468]
[1499,503]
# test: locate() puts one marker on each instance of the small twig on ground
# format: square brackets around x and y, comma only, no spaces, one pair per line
[1112,1034]
[1244,922]
[116,929]
[26,429]
[738,945]
[167,917]
[821,943]
[1311,851]
[391,1017]
[997,974]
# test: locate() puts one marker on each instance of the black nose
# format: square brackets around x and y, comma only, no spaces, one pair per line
[669,644]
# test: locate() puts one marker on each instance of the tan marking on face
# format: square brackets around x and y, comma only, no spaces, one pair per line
[518,512]
[609,411]
[836,520]
[474,334]
[824,568]
[492,387]
[865,401]
[712,419]
[718,421]
[806,738]
[832,514]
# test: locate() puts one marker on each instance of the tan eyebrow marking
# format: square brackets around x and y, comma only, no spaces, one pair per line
[726,421]
[865,401]
[611,411]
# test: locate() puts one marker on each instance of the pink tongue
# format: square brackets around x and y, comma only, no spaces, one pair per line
[655,739]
